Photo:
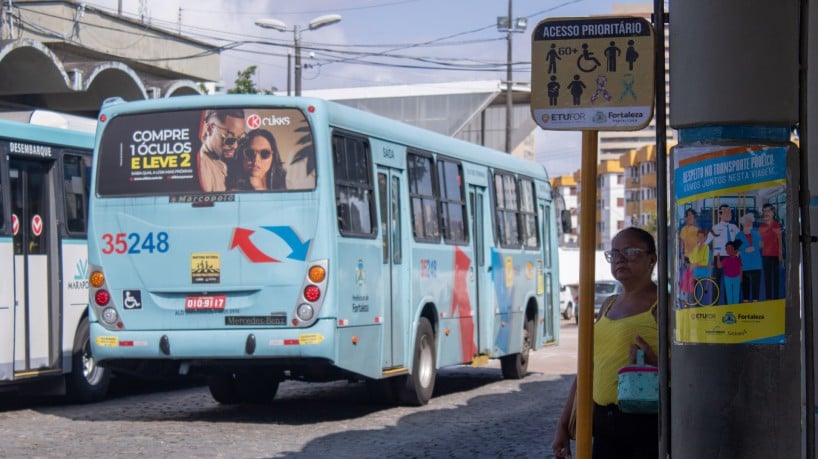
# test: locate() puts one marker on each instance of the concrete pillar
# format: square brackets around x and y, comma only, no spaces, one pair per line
[734,72]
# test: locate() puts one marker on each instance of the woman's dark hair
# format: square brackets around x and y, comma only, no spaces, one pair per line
[643,236]
[276,176]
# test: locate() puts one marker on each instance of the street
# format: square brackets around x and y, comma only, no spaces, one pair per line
[474,413]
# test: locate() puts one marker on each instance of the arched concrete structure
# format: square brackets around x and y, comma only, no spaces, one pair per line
[34,76]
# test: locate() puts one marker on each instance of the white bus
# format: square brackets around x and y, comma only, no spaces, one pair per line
[44,328]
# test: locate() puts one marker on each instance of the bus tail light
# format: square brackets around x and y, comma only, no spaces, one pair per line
[102,302]
[102,297]
[97,279]
[305,312]
[312,294]
[110,316]
[317,274]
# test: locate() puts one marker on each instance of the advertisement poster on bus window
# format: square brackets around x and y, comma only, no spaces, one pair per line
[730,223]
[206,154]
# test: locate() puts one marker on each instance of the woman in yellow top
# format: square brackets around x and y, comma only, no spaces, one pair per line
[627,323]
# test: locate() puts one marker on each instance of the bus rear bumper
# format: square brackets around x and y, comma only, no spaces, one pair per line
[290,343]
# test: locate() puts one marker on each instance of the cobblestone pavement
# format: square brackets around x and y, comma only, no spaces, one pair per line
[474,413]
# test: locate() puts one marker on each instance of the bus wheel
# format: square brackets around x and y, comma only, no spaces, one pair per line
[420,383]
[515,366]
[223,388]
[257,387]
[87,382]
[384,391]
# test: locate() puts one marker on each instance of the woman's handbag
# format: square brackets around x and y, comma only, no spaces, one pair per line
[638,387]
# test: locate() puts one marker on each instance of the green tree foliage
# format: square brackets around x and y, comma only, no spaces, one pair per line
[245,84]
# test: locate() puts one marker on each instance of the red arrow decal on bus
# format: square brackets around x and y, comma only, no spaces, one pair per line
[241,238]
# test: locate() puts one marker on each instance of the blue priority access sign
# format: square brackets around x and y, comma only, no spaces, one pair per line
[592,73]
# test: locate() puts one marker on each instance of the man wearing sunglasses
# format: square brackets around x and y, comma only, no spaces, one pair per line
[221,132]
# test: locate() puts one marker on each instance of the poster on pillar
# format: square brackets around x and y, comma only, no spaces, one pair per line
[730,251]
[593,73]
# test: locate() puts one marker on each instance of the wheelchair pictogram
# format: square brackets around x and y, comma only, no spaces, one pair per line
[586,57]
[132,299]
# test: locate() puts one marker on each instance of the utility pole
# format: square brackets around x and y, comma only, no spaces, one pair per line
[509,101]
[510,25]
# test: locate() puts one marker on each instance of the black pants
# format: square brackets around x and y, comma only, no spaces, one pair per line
[771,277]
[750,284]
[619,435]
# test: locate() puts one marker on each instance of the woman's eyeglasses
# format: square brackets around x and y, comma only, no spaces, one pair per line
[250,154]
[228,138]
[628,253]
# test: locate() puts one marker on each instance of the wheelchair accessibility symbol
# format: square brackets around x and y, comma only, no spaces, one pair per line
[586,60]
[132,299]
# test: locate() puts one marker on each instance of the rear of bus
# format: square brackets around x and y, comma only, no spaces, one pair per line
[207,236]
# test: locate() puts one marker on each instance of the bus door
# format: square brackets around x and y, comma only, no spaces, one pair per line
[36,318]
[478,200]
[395,279]
[546,284]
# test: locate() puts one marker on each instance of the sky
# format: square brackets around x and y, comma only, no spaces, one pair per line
[376,43]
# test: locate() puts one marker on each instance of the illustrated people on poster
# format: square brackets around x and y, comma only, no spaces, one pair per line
[258,165]
[221,132]
[576,87]
[720,234]
[631,55]
[772,254]
[611,53]
[750,258]
[688,233]
[699,258]
[553,91]
[687,281]
[731,267]
[552,57]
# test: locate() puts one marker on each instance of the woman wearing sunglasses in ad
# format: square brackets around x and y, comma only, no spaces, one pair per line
[258,165]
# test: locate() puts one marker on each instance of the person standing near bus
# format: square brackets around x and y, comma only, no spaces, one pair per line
[627,322]
[771,253]
[221,132]
[260,165]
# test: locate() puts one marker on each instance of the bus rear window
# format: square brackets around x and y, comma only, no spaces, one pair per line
[220,150]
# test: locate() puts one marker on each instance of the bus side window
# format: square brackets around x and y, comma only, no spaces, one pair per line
[75,190]
[353,186]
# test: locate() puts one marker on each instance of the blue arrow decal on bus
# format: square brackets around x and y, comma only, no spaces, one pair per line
[299,248]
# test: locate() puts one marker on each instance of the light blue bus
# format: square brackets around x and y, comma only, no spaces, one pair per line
[258,238]
[44,330]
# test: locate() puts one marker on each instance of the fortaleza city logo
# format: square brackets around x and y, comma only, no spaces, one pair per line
[254,121]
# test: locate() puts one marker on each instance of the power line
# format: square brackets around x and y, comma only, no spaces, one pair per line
[331,53]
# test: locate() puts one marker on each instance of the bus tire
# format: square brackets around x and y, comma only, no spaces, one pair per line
[224,388]
[87,382]
[420,383]
[384,391]
[257,387]
[515,366]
